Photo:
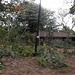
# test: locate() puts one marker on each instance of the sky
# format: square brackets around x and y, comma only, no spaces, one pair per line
[51,4]
[55,4]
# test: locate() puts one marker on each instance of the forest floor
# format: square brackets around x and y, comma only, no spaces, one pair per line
[30,66]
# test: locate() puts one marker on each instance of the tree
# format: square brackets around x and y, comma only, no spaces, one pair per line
[69,30]
[2,34]
[63,23]
[72,9]
[29,14]
[1,6]
[26,17]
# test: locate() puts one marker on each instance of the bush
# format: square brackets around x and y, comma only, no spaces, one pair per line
[18,51]
[52,59]
[57,62]
[7,54]
[58,45]
[42,61]
[28,51]
[1,65]
[43,49]
[28,38]
[23,50]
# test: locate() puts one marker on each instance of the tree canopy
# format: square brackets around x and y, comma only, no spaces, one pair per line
[29,14]
[72,9]
[69,30]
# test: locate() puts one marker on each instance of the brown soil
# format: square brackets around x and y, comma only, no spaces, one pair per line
[30,66]
[61,49]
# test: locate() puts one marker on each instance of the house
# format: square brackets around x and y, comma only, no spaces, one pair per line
[57,34]
[57,37]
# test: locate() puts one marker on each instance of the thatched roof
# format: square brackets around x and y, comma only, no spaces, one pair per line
[55,34]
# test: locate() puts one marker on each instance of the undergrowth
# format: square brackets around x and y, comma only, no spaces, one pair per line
[1,65]
[52,58]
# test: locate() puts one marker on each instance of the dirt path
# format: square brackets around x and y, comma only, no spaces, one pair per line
[30,66]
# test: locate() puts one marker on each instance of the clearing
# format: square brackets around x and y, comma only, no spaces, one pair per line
[30,66]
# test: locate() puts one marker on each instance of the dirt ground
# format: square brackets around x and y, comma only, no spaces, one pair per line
[30,66]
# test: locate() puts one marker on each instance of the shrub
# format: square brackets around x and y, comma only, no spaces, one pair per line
[23,50]
[42,61]
[28,51]
[58,45]
[18,51]
[28,38]
[57,62]
[52,59]
[1,65]
[42,49]
[6,54]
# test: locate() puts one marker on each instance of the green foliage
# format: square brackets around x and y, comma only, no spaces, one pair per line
[58,45]
[70,46]
[61,45]
[1,54]
[19,35]
[69,30]
[55,47]
[7,54]
[2,33]
[18,51]
[20,43]
[23,50]
[42,49]
[0,1]
[1,7]
[52,59]
[42,61]
[14,36]
[72,9]
[57,62]
[29,13]
[1,65]
[28,38]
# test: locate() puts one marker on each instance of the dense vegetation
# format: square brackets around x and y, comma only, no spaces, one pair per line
[19,22]
[17,25]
